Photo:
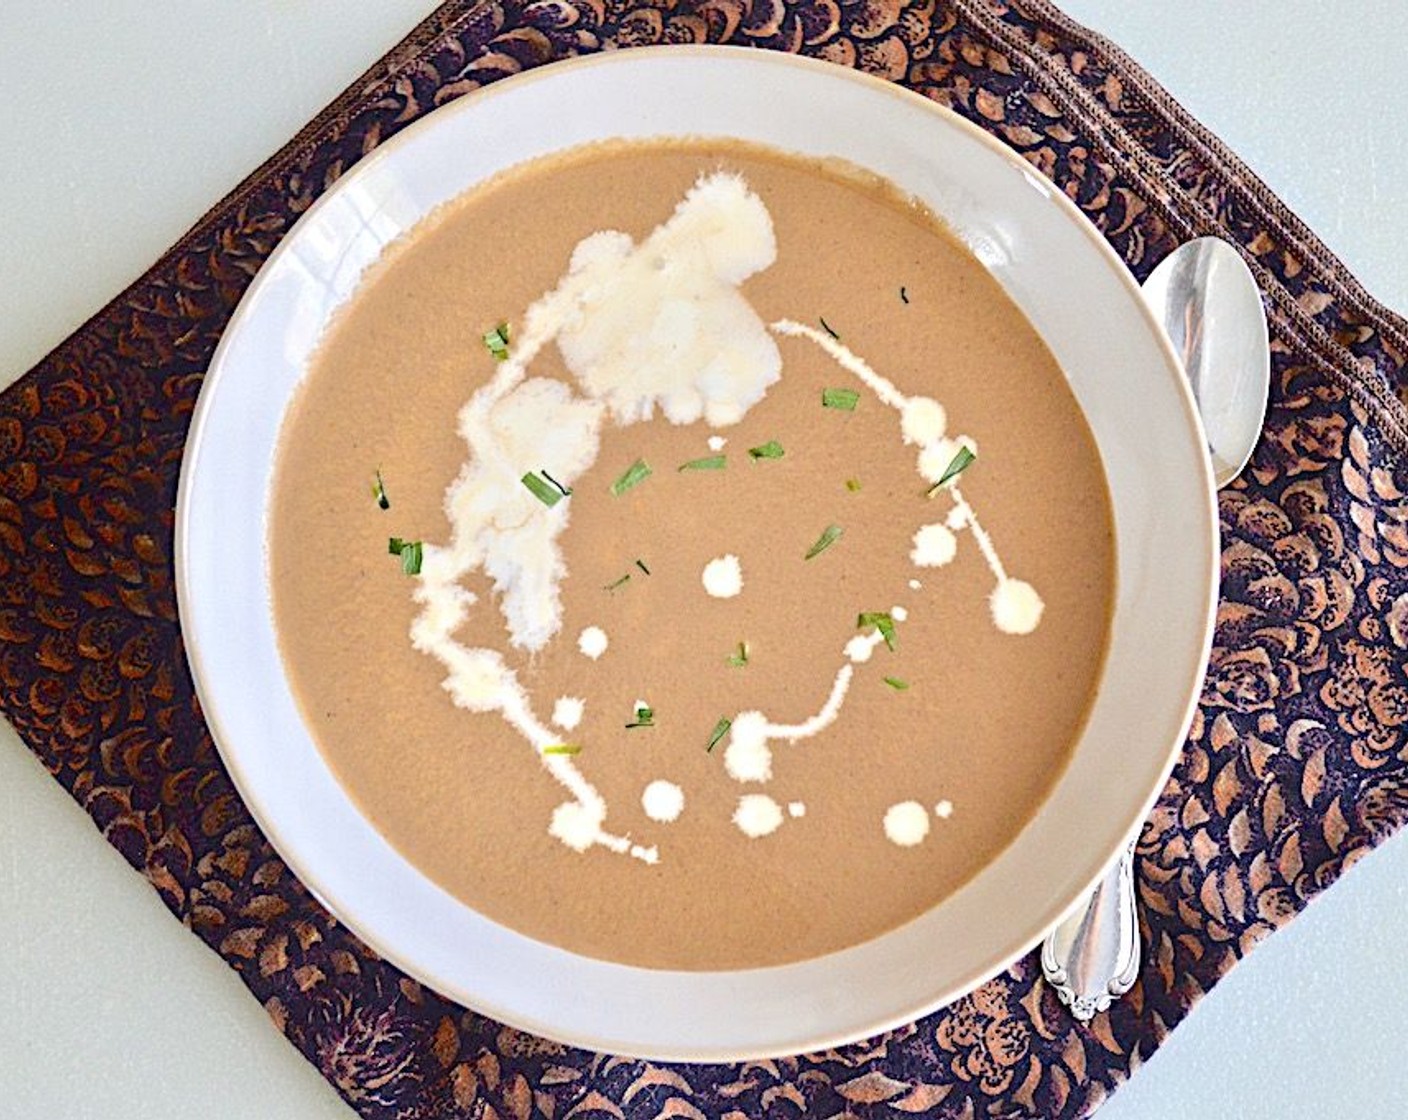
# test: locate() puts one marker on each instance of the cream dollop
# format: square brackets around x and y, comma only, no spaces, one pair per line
[859,648]
[748,758]
[757,815]
[567,712]
[935,458]
[1016,607]
[577,825]
[499,526]
[906,824]
[922,420]
[723,577]
[664,324]
[662,801]
[592,641]
[934,546]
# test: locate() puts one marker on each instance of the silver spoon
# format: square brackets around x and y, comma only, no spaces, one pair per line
[1208,303]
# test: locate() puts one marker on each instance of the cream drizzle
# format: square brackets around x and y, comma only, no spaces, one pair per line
[662,324]
[748,757]
[1015,605]
[617,306]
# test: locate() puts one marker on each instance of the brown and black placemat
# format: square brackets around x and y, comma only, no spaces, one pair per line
[1294,768]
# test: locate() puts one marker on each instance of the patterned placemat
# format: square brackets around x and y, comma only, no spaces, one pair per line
[1296,761]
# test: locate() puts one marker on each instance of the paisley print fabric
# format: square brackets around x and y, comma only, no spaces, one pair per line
[1296,765]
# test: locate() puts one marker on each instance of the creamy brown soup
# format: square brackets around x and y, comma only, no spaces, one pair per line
[814,354]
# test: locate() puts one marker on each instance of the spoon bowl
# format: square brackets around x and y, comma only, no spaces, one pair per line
[1209,304]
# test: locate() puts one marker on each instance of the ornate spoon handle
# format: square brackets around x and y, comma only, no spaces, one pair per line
[1092,957]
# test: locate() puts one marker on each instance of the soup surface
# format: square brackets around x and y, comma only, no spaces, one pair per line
[716,592]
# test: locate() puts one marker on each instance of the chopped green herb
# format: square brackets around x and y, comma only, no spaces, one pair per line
[844,399]
[565,490]
[641,565]
[379,492]
[853,485]
[617,583]
[708,463]
[883,622]
[897,684]
[410,552]
[563,748]
[903,294]
[720,730]
[770,450]
[497,342]
[829,536]
[957,465]
[827,328]
[645,717]
[541,490]
[739,659]
[635,474]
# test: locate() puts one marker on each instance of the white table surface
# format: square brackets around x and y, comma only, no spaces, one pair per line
[108,1007]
